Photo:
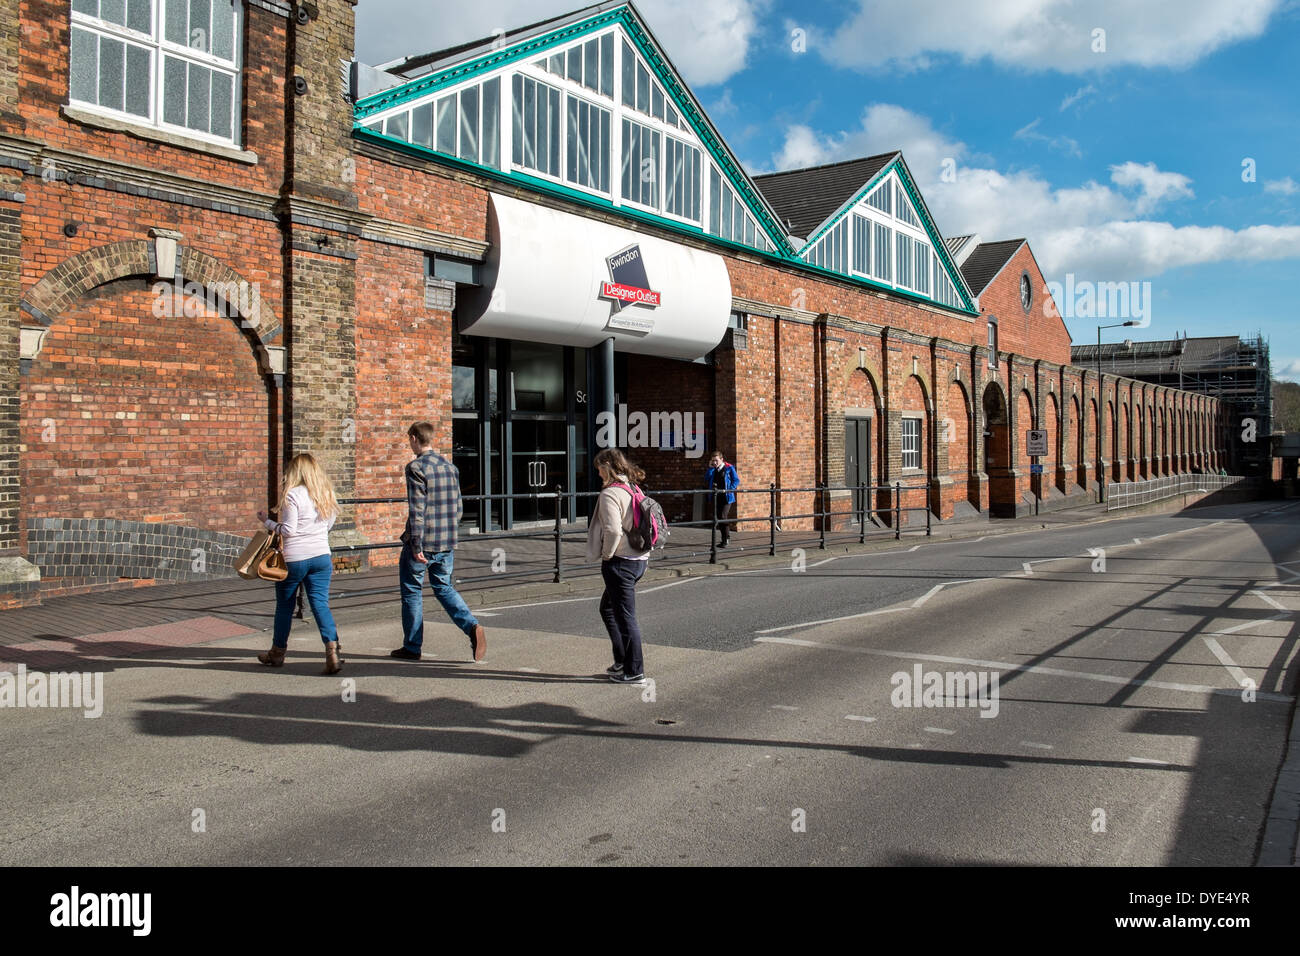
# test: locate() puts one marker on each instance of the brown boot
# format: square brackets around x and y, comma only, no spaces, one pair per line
[332,662]
[274,657]
[478,642]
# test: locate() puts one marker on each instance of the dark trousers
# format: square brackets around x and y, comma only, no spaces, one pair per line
[618,610]
[722,510]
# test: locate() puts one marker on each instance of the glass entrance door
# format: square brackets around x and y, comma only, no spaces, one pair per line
[539,460]
[521,425]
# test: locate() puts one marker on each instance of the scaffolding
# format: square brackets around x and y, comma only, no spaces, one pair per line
[1231,368]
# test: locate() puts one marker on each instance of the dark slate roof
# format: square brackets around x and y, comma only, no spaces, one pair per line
[987,261]
[806,198]
[1169,355]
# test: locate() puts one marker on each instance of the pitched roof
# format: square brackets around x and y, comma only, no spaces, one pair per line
[412,66]
[1168,355]
[986,262]
[806,198]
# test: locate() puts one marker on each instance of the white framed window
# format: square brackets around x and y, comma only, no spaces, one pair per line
[911,442]
[641,160]
[880,199]
[590,63]
[861,244]
[464,123]
[588,145]
[903,208]
[921,266]
[881,266]
[172,64]
[993,342]
[682,187]
[536,121]
[903,260]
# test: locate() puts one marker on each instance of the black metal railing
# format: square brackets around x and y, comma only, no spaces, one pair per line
[875,510]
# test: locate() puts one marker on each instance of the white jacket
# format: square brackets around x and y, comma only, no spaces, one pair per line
[607,527]
[305,534]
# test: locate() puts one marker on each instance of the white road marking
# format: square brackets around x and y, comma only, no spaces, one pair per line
[485,614]
[830,620]
[530,670]
[1137,540]
[1030,743]
[939,587]
[865,720]
[1027,668]
[1280,607]
[1148,760]
[1029,568]
[1245,624]
[1217,650]
[783,707]
[938,730]
[672,584]
[515,607]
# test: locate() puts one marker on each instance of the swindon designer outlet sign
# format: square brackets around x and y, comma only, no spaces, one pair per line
[629,286]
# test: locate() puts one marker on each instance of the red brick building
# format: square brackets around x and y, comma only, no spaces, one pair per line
[209,261]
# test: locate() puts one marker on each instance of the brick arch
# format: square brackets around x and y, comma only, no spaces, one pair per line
[867,368]
[68,282]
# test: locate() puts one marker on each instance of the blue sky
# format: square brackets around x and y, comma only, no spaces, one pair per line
[1119,155]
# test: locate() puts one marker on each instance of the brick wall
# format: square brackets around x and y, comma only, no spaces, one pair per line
[666,386]
[403,375]
[1040,332]
[128,418]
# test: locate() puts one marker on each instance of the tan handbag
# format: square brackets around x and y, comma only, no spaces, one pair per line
[263,558]
[271,566]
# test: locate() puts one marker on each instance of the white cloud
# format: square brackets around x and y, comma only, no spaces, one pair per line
[1154,186]
[708,40]
[1076,96]
[1044,34]
[1093,230]
[1288,372]
[1287,186]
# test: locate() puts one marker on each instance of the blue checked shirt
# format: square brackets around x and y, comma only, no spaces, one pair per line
[433,502]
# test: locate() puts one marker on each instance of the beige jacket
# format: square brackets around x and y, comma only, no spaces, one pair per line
[606,527]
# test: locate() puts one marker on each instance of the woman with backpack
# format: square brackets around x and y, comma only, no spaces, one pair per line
[621,564]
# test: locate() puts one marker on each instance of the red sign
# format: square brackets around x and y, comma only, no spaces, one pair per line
[628,294]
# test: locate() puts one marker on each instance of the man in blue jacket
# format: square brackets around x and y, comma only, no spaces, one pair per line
[721,477]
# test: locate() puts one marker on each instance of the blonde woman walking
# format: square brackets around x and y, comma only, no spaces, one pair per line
[308,509]
[621,565]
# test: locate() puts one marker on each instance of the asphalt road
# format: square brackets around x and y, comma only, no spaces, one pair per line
[772,733]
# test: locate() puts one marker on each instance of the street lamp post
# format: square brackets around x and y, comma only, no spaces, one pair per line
[1101,404]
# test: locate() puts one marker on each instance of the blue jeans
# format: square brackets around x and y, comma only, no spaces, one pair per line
[313,574]
[618,610]
[412,578]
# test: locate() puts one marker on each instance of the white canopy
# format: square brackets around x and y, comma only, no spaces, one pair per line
[549,278]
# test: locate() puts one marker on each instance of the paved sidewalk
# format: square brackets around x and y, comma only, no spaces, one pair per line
[63,628]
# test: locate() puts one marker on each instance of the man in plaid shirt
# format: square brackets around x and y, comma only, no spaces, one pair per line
[434,509]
